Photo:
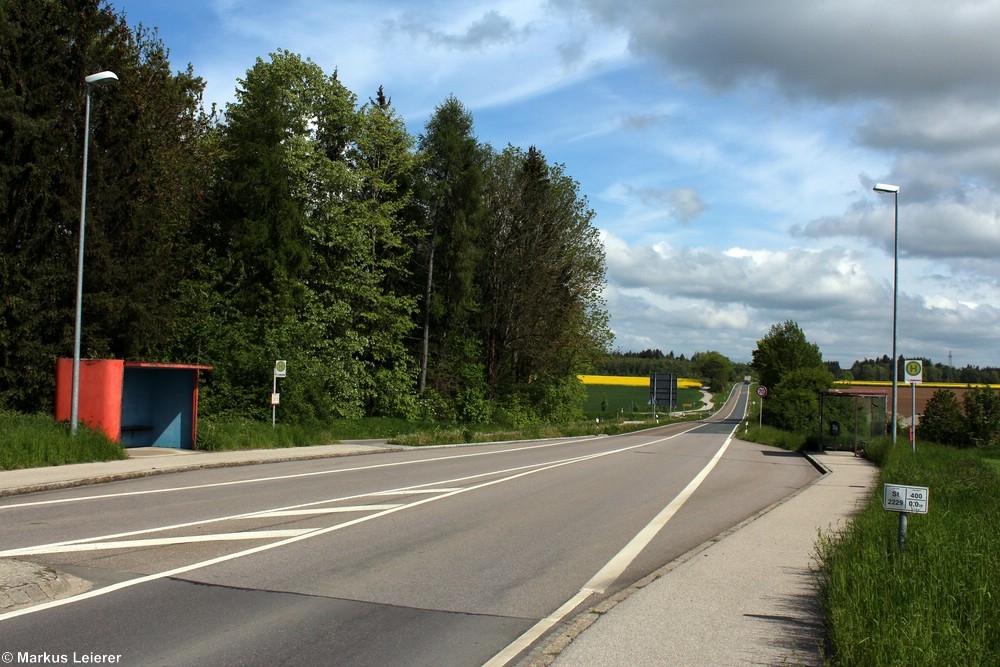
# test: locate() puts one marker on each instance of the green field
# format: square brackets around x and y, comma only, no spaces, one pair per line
[631,400]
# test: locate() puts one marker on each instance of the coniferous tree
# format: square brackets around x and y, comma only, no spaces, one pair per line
[144,187]
[384,165]
[451,193]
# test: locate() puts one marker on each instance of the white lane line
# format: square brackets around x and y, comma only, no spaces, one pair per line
[616,566]
[256,514]
[412,490]
[244,515]
[612,570]
[165,541]
[256,480]
[318,511]
[97,592]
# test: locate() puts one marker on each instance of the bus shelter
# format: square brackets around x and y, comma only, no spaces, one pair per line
[136,403]
[869,411]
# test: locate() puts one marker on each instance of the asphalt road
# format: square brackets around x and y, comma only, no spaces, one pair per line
[440,557]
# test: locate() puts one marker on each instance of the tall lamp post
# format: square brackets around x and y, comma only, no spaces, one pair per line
[894,191]
[98,79]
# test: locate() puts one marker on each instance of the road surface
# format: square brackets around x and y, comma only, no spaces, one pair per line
[447,556]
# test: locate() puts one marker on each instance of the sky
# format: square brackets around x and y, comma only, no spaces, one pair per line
[728,148]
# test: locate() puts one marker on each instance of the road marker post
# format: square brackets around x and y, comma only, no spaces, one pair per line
[905,500]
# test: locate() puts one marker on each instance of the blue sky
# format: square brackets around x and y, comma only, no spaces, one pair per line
[729,148]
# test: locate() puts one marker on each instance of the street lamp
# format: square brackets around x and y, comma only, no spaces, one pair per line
[894,191]
[98,79]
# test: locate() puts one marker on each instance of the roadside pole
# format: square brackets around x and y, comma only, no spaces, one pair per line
[762,392]
[280,369]
[913,371]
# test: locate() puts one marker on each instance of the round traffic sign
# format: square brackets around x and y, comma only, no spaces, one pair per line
[914,367]
[762,391]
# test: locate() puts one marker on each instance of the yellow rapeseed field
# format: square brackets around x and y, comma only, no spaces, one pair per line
[632,381]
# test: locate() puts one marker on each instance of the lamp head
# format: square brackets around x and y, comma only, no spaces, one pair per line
[885,187]
[101,78]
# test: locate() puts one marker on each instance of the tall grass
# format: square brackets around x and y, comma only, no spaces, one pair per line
[771,436]
[453,435]
[224,435]
[33,441]
[938,601]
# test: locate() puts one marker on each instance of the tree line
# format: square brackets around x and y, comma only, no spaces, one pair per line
[881,370]
[430,275]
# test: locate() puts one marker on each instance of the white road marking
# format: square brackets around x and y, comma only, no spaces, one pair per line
[412,490]
[277,477]
[163,541]
[608,574]
[523,471]
[245,515]
[318,511]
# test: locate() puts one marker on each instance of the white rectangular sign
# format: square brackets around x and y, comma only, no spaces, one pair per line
[913,371]
[909,499]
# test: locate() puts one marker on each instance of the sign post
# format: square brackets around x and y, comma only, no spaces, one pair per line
[913,371]
[905,500]
[280,368]
[762,392]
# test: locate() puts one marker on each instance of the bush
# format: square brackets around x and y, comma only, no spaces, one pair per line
[943,421]
[982,416]
[796,399]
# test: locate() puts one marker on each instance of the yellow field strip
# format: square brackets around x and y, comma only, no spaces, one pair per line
[633,381]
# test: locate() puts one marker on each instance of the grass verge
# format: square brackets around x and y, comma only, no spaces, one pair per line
[771,436]
[936,602]
[455,435]
[33,441]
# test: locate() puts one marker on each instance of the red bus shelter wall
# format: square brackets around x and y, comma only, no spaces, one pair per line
[100,402]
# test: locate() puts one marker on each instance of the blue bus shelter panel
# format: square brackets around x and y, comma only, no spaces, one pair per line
[157,406]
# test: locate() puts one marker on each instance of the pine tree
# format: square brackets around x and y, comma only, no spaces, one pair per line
[451,194]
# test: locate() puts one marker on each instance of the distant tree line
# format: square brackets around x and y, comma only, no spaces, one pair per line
[429,275]
[792,369]
[881,370]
